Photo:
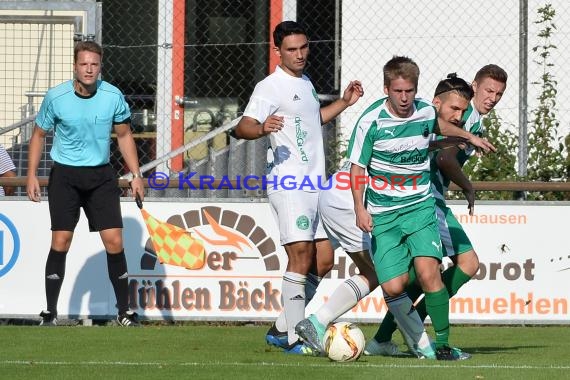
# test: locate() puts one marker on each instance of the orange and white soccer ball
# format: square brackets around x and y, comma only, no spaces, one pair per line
[344,342]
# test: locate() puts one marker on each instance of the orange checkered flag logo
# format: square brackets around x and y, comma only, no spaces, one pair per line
[172,244]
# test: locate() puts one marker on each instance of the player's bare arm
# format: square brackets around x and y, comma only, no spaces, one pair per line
[128,150]
[34,153]
[447,143]
[449,166]
[357,187]
[448,129]
[352,93]
[250,129]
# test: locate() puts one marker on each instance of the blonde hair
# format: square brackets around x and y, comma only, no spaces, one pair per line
[401,67]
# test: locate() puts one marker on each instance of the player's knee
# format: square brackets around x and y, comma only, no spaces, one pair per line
[468,262]
[299,264]
[61,242]
[392,291]
[430,280]
[61,245]
[113,244]
[324,264]
[324,269]
[394,287]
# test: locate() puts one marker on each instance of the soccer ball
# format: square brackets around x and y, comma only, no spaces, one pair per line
[344,342]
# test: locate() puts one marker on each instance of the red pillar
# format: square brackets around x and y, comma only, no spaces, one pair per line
[177,122]
[275,17]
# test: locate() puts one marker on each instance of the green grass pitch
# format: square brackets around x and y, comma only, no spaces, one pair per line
[206,351]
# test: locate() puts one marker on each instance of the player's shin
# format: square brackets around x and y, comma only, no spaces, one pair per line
[410,324]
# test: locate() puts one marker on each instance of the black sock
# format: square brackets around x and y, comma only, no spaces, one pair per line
[117,266]
[55,272]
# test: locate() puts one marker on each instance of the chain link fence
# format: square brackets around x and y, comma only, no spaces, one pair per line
[187,68]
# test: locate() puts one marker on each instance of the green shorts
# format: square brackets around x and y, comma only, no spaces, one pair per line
[403,234]
[453,237]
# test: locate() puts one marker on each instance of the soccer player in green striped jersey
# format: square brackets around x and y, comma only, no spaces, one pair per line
[488,86]
[391,141]
[446,165]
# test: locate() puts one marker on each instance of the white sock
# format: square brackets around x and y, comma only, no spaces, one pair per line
[281,322]
[293,293]
[311,285]
[408,318]
[344,298]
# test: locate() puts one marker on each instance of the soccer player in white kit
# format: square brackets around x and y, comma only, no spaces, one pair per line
[286,107]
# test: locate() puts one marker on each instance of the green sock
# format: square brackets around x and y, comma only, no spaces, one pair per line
[437,305]
[453,278]
[388,325]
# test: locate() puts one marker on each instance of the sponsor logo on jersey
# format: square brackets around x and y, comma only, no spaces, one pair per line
[411,157]
[301,136]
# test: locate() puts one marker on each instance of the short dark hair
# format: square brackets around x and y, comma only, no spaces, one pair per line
[455,84]
[491,71]
[91,46]
[400,66]
[286,28]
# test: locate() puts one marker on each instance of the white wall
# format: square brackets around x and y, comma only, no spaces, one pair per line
[522,279]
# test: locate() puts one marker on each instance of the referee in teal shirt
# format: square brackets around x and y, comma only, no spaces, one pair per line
[83,113]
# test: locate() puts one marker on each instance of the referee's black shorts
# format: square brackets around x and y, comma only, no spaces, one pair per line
[95,188]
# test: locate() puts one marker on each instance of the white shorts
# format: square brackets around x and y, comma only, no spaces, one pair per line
[296,214]
[336,210]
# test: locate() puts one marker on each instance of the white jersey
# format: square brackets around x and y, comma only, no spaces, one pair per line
[6,165]
[336,210]
[297,154]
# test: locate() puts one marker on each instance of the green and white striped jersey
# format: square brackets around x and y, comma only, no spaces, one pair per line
[395,152]
[439,183]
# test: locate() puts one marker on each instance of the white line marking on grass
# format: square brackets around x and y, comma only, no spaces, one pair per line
[89,363]
[269,364]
